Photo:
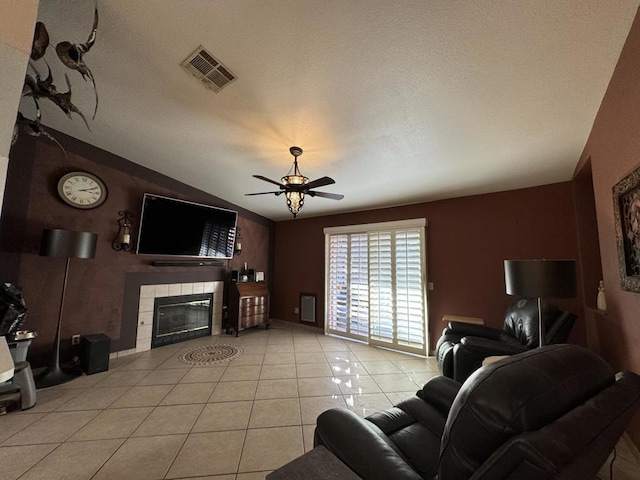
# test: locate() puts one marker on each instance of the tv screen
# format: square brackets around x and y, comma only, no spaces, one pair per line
[174,227]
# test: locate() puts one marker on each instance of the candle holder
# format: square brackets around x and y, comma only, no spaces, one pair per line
[122,240]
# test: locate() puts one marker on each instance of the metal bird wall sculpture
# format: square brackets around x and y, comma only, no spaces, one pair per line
[46,89]
[35,129]
[40,41]
[71,55]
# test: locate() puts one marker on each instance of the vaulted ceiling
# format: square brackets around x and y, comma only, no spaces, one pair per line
[399,102]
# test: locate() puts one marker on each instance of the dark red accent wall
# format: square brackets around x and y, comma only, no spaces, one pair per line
[97,300]
[467,240]
[613,151]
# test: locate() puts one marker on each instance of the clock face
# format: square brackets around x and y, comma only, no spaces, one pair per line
[82,190]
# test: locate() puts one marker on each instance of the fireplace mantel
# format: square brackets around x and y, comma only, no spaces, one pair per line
[141,289]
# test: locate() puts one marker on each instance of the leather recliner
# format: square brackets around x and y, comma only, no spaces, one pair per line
[462,347]
[555,412]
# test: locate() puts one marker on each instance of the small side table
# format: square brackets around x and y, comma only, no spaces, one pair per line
[495,358]
[317,464]
[459,319]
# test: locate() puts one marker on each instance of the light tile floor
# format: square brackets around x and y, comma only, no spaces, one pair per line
[152,417]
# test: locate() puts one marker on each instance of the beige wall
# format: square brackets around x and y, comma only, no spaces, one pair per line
[614,149]
[17,20]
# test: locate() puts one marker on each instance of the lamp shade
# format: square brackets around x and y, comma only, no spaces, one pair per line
[67,243]
[540,278]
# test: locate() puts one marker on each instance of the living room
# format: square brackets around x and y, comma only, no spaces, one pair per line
[468,235]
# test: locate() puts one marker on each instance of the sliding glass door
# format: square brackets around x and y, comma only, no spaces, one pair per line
[375,278]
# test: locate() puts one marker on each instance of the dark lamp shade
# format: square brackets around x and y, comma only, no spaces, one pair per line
[540,278]
[67,243]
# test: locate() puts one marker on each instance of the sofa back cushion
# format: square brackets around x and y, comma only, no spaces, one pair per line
[522,393]
[521,320]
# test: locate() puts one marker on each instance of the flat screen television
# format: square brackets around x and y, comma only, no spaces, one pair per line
[177,228]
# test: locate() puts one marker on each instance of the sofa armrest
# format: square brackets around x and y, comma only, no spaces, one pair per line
[466,329]
[560,329]
[487,348]
[471,351]
[362,446]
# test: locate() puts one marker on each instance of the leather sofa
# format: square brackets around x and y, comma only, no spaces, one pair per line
[555,412]
[462,347]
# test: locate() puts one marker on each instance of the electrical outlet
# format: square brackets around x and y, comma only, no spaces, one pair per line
[75,339]
[296,310]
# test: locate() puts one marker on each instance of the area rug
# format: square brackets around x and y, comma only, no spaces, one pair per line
[210,354]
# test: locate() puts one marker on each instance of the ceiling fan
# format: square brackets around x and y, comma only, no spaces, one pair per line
[295,186]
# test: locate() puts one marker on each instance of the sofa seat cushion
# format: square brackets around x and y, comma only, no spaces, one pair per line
[415,428]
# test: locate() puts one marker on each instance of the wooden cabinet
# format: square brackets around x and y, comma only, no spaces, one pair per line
[248,306]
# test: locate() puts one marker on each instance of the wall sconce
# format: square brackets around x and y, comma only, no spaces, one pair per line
[122,241]
[237,246]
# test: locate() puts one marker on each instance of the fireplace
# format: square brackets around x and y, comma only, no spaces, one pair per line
[180,318]
[149,292]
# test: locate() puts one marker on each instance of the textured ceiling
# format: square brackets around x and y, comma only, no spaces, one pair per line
[399,102]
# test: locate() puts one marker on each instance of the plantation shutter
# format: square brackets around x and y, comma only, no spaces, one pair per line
[358,286]
[376,284]
[337,291]
[381,285]
[409,289]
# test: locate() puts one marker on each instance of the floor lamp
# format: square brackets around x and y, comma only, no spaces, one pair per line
[540,278]
[69,244]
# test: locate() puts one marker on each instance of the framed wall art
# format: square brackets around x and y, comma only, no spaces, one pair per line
[626,204]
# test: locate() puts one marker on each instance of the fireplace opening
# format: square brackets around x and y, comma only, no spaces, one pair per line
[180,318]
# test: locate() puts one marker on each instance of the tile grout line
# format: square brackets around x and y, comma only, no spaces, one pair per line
[293,343]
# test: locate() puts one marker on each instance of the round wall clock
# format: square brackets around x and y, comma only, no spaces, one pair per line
[82,190]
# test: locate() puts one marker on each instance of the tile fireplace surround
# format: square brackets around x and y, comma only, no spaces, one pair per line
[148,294]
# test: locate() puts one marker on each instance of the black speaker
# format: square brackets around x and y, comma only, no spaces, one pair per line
[234,275]
[95,353]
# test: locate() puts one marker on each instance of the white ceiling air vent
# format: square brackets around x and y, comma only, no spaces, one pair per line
[208,69]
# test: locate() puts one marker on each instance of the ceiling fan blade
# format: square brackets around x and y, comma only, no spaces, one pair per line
[320,182]
[268,180]
[332,196]
[264,193]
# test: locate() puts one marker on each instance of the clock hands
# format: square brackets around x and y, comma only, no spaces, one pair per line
[87,189]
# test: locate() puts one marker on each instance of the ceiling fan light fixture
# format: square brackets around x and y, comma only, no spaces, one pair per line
[295,180]
[295,199]
[295,186]
[295,202]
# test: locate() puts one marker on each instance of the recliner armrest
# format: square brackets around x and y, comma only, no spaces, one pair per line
[474,330]
[361,446]
[490,348]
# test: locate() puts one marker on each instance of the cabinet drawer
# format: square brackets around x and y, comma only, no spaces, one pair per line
[252,301]
[251,321]
[247,311]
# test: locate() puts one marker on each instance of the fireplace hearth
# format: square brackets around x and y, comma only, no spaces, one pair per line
[180,318]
